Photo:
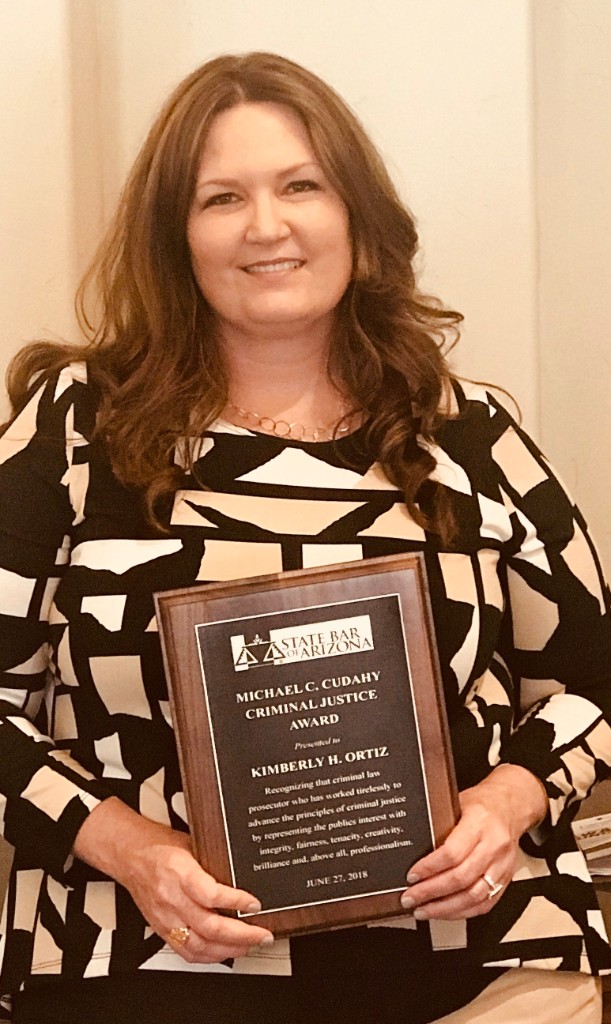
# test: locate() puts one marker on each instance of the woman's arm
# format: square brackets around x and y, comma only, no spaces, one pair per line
[557,610]
[52,804]
[561,624]
[46,794]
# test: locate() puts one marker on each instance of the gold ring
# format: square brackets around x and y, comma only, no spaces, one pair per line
[178,936]
[494,887]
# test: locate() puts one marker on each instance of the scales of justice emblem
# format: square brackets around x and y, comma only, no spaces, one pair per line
[258,652]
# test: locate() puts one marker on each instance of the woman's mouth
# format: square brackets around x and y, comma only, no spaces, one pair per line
[273,266]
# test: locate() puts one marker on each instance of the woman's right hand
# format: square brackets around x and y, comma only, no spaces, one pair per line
[155,864]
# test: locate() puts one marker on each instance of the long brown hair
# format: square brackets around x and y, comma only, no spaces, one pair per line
[152,346]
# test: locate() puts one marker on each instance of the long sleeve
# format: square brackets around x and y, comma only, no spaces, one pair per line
[46,795]
[559,615]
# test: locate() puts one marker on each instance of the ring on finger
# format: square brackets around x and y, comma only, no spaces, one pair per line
[494,888]
[178,936]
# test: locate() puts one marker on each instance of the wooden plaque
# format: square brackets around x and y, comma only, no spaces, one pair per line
[312,736]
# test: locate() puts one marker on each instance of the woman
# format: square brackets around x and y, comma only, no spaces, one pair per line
[264,389]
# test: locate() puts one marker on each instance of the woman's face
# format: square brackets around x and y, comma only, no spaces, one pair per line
[269,236]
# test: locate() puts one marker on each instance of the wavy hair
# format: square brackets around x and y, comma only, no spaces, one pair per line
[151,338]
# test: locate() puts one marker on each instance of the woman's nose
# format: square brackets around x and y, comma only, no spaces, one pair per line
[267,222]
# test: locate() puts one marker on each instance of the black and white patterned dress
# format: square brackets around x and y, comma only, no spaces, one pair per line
[522,626]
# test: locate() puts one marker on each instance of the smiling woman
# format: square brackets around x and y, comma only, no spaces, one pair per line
[265,388]
[271,252]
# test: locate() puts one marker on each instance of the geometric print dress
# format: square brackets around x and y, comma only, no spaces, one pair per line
[522,625]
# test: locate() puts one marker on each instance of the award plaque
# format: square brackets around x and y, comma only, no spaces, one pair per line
[312,736]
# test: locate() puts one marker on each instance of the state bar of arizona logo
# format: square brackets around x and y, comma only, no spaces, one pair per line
[302,643]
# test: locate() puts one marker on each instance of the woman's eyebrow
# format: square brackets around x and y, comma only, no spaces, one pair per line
[233,182]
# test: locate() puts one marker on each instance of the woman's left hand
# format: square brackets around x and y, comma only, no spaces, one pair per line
[460,877]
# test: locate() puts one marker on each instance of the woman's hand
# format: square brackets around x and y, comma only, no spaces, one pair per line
[467,874]
[170,888]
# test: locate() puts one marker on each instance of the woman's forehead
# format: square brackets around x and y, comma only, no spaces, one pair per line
[261,132]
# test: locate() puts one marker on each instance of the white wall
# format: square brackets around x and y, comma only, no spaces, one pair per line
[490,114]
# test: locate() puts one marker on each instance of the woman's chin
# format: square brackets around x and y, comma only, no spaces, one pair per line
[282,317]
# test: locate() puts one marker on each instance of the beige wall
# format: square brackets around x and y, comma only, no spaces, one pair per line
[37,273]
[572,65]
[492,114]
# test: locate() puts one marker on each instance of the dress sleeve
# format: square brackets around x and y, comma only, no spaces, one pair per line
[44,794]
[558,604]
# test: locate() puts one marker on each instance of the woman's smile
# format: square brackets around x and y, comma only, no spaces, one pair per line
[273,266]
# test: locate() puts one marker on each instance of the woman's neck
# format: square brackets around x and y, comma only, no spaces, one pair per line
[283,378]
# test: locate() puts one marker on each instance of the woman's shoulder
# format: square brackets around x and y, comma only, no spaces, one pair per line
[479,428]
[74,372]
[77,377]
[73,384]
[72,396]
[467,396]
[60,402]
[478,413]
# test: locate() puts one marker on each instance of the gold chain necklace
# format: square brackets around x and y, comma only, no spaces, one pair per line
[295,431]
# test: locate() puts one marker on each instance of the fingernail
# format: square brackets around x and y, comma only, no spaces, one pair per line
[413,879]
[407,902]
[254,907]
[267,941]
[420,915]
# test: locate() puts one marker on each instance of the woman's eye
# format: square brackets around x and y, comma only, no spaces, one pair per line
[305,185]
[222,199]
